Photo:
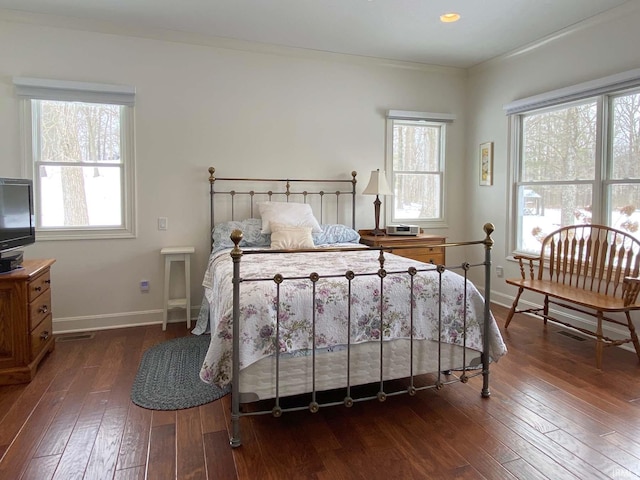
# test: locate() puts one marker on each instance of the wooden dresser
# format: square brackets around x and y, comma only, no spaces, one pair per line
[25,320]
[422,249]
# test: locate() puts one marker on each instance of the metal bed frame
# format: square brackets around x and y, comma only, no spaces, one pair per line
[379,271]
[285,190]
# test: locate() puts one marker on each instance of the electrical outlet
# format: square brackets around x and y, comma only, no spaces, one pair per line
[499,271]
[144,285]
[163,223]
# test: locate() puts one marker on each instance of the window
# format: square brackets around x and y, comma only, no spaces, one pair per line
[79,141]
[576,161]
[416,163]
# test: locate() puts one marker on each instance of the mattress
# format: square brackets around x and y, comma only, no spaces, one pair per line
[257,381]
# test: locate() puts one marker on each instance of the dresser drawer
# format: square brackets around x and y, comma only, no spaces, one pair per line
[41,335]
[426,255]
[39,309]
[39,285]
[26,323]
[422,247]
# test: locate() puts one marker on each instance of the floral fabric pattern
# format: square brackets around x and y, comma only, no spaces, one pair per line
[281,316]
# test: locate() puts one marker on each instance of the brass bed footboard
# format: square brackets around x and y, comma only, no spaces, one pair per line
[381,273]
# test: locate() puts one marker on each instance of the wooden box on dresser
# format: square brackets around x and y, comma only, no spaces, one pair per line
[25,320]
[424,249]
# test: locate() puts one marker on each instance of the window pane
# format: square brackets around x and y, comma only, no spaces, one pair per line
[626,137]
[416,147]
[79,132]
[559,144]
[624,208]
[417,196]
[80,196]
[544,208]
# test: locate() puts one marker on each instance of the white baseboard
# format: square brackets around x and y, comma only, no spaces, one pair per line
[154,317]
[114,320]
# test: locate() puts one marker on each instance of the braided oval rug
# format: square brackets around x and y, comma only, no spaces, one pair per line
[168,376]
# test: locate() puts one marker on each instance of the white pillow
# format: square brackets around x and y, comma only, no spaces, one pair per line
[289,213]
[286,237]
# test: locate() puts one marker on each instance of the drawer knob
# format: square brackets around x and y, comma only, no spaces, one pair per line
[48,282]
[44,335]
[43,309]
[37,289]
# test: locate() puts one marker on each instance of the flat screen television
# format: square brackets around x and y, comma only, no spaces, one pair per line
[17,220]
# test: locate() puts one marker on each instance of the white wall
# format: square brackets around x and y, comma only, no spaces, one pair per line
[593,51]
[246,113]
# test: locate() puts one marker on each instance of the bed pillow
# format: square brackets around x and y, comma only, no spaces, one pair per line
[289,213]
[252,235]
[335,233]
[287,237]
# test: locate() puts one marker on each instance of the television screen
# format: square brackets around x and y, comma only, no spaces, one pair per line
[16,213]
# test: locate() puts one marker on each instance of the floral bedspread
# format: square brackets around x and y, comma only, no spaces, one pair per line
[259,306]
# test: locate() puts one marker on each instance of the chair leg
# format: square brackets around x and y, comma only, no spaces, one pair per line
[545,310]
[512,311]
[599,342]
[634,335]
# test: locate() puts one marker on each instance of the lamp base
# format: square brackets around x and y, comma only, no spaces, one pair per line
[377,232]
[376,209]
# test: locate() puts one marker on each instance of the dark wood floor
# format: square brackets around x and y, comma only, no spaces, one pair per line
[551,415]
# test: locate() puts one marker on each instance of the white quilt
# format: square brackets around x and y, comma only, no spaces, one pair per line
[368,299]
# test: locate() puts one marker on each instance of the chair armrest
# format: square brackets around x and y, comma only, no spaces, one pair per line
[631,290]
[530,261]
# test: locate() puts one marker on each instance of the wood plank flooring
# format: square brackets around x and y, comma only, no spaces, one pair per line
[551,415]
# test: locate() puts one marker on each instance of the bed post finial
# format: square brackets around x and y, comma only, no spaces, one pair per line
[353,177]
[212,178]
[488,229]
[236,238]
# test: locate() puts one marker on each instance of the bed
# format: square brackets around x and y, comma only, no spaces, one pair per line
[296,306]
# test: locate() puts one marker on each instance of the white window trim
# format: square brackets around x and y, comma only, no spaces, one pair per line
[593,88]
[42,89]
[45,89]
[442,119]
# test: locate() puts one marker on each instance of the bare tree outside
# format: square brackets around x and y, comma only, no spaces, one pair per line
[559,168]
[417,170]
[79,142]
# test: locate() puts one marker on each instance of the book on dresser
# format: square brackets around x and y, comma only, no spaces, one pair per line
[25,320]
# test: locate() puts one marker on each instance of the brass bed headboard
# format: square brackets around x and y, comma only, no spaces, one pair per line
[275,188]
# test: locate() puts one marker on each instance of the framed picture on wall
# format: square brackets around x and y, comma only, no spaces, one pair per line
[486,163]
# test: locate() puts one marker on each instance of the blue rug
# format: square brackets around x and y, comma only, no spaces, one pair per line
[168,376]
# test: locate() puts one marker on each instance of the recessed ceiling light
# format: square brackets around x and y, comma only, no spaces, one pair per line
[450,17]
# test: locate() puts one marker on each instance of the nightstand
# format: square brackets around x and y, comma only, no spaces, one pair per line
[171,255]
[421,243]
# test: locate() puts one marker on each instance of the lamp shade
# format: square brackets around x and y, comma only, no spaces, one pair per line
[377,184]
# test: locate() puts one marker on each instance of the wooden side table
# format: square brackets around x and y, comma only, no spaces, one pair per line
[177,254]
[26,322]
[417,247]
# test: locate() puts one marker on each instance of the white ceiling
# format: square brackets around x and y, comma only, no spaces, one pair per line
[407,30]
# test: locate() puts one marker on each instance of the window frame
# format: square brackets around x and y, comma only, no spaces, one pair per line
[602,92]
[30,90]
[440,120]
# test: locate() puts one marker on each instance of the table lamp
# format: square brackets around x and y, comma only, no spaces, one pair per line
[377,186]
